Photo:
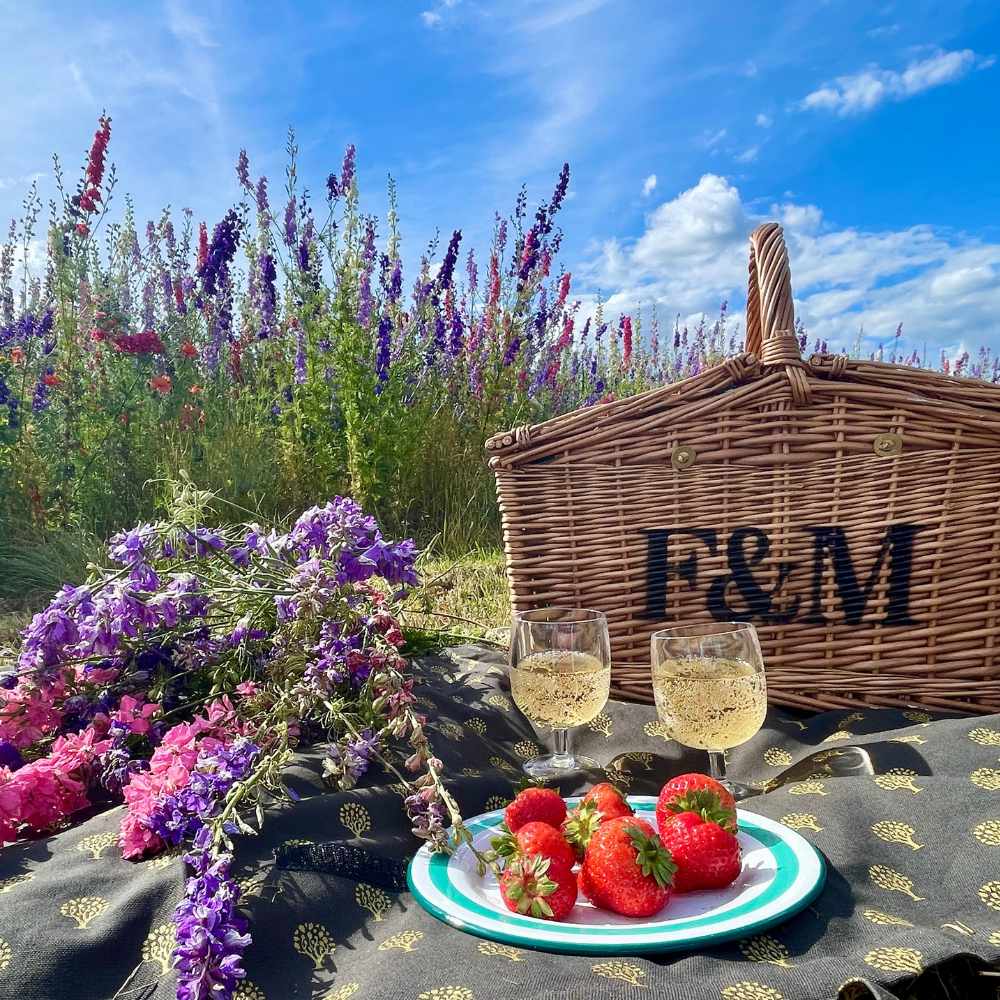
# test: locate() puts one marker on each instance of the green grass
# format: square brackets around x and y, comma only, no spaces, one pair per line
[463,597]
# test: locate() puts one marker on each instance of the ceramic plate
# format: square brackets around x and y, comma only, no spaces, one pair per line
[782,873]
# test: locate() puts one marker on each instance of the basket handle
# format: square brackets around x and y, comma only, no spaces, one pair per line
[770,331]
[770,311]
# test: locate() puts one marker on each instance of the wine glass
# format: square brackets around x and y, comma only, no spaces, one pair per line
[710,689]
[560,677]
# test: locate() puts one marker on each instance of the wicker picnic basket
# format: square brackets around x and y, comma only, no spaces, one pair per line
[850,509]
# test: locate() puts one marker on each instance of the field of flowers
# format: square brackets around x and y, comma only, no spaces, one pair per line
[284,355]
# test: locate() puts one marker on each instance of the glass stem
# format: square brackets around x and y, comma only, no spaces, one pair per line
[717,765]
[562,756]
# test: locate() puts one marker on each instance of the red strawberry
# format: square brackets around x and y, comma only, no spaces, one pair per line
[538,887]
[696,793]
[706,854]
[601,803]
[544,805]
[540,838]
[626,868]
[533,838]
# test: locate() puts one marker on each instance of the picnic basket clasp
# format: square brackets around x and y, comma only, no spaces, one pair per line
[770,326]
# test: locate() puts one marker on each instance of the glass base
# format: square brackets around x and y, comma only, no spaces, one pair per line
[737,789]
[556,765]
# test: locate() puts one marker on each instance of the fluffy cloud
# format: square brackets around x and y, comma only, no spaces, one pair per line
[942,286]
[764,121]
[861,92]
[648,185]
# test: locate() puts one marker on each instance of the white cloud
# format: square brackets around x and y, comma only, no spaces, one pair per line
[764,121]
[434,16]
[748,155]
[560,13]
[648,185]
[861,92]
[709,139]
[941,286]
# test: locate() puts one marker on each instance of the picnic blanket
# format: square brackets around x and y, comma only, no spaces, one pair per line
[905,808]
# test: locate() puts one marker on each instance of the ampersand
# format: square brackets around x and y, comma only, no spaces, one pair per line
[758,600]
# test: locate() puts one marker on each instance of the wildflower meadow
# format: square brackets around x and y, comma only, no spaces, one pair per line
[286,353]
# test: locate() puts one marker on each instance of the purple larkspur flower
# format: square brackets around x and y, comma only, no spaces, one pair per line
[268,296]
[383,345]
[291,228]
[446,275]
[261,195]
[353,759]
[211,934]
[10,756]
[347,169]
[221,251]
[243,170]
[40,399]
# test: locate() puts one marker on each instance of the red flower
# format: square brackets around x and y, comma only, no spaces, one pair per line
[98,334]
[189,350]
[83,229]
[98,151]
[161,384]
[202,245]
[195,390]
[16,355]
[140,343]
[51,379]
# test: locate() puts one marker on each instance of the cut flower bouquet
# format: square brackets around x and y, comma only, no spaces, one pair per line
[180,680]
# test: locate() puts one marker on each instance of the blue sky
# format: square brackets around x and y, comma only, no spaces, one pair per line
[869,129]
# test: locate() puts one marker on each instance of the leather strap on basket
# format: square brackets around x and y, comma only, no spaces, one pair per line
[770,310]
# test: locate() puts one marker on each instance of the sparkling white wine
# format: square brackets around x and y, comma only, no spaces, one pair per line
[560,689]
[708,703]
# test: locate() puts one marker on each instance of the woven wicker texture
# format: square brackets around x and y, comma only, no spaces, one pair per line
[850,509]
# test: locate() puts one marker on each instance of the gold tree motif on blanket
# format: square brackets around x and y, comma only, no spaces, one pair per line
[404,941]
[6,954]
[656,728]
[990,895]
[988,832]
[496,802]
[808,787]
[159,945]
[601,724]
[249,991]
[343,992]
[897,779]
[96,844]
[498,700]
[476,725]
[764,948]
[896,833]
[315,942]
[896,960]
[885,919]
[10,883]
[776,757]
[372,899]
[625,971]
[355,817]
[500,951]
[447,993]
[526,749]
[892,881]
[987,778]
[985,737]
[83,909]
[749,990]
[802,821]
[450,730]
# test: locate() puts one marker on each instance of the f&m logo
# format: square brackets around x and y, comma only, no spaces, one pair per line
[746,553]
